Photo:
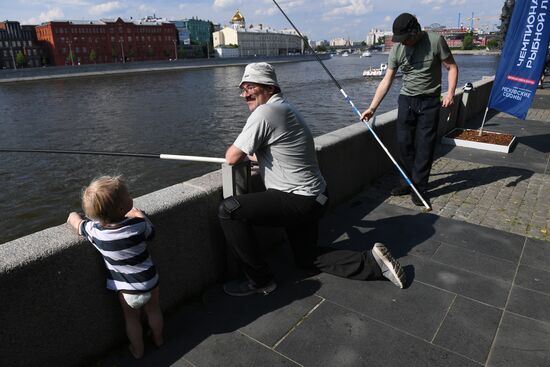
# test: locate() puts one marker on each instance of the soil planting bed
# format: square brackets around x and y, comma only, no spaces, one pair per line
[487,136]
[487,141]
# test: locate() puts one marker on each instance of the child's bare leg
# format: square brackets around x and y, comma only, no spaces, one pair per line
[133,327]
[154,317]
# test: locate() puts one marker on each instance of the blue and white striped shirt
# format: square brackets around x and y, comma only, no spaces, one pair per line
[124,250]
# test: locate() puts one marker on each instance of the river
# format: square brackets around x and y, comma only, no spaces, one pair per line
[191,112]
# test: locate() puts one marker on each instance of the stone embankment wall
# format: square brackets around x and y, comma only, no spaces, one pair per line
[54,308]
[106,70]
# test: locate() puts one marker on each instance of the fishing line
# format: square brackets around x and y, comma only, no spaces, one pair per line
[348,99]
[120,154]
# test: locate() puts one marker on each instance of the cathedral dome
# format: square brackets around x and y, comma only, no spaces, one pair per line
[237,18]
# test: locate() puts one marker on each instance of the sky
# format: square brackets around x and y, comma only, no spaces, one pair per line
[317,19]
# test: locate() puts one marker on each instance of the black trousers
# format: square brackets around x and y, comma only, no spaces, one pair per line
[417,121]
[299,215]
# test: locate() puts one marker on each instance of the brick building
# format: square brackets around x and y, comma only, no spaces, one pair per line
[107,41]
[16,39]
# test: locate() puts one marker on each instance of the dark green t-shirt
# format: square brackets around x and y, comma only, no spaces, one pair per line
[420,64]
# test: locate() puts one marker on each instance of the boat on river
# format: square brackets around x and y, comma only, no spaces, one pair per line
[345,54]
[380,72]
[366,54]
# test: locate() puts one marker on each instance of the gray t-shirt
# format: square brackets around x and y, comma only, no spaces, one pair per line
[283,144]
[420,64]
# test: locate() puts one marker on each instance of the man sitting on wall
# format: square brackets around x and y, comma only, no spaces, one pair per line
[276,136]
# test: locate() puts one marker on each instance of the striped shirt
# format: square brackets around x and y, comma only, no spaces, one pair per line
[124,250]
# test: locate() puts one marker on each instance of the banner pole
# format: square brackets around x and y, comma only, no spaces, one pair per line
[483,122]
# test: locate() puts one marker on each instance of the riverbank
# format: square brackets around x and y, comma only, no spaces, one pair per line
[468,52]
[477,52]
[64,72]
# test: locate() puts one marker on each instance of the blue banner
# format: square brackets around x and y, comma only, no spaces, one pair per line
[523,56]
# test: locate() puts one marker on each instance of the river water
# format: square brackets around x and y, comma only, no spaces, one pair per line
[191,112]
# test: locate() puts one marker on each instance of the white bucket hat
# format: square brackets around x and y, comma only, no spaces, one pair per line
[260,73]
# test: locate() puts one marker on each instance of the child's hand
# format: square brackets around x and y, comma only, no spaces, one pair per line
[74,220]
[135,213]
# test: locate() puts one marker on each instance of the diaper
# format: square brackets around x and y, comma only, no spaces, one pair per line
[137,300]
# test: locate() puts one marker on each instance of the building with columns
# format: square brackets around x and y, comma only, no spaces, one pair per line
[255,40]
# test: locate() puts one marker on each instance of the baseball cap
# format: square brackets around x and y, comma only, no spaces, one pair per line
[260,73]
[404,26]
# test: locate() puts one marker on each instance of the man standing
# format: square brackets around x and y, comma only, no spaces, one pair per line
[420,56]
[276,136]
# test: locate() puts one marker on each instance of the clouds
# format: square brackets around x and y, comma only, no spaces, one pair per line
[49,15]
[143,8]
[287,4]
[106,8]
[270,9]
[226,4]
[340,8]
[438,4]
[55,3]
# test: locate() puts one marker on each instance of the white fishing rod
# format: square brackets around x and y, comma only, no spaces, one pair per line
[346,97]
[120,154]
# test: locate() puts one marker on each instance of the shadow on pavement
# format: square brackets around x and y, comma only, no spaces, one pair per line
[358,225]
[455,181]
[537,142]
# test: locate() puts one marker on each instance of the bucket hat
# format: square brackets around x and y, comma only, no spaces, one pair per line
[260,73]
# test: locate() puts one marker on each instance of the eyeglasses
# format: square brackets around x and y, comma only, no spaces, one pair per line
[248,88]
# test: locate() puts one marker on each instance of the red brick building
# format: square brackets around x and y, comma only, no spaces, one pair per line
[107,41]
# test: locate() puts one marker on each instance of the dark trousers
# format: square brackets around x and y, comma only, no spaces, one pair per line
[299,215]
[417,121]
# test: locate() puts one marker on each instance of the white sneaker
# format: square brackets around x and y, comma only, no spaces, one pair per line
[391,269]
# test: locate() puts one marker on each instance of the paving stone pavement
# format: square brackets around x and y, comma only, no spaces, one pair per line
[534,114]
[508,199]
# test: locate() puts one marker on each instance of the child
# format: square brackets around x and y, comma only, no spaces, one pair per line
[118,231]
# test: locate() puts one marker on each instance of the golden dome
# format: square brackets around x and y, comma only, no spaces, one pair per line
[238,17]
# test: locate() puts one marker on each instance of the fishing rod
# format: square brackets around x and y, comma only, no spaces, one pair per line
[348,99]
[120,154]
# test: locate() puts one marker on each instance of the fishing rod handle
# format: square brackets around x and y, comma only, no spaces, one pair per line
[192,158]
